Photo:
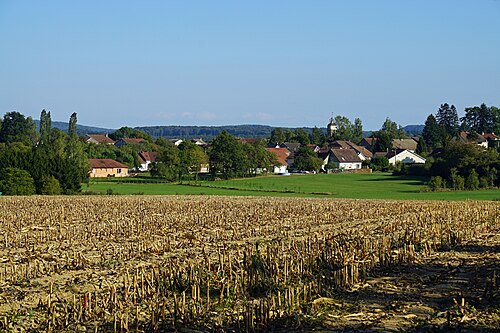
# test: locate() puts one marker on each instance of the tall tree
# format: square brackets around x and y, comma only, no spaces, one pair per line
[227,156]
[45,126]
[447,118]
[479,119]
[432,134]
[77,163]
[357,131]
[72,125]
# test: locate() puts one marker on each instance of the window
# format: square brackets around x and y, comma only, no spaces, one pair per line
[118,170]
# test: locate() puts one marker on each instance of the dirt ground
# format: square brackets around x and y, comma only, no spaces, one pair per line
[454,290]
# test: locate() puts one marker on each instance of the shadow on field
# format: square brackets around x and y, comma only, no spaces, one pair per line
[454,291]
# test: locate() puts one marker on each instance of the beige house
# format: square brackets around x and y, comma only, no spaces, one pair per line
[106,167]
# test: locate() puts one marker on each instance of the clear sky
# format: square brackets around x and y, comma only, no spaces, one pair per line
[274,62]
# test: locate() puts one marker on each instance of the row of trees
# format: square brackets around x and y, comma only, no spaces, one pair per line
[52,161]
[227,157]
[445,124]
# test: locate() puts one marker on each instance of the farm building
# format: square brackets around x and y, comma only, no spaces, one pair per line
[106,167]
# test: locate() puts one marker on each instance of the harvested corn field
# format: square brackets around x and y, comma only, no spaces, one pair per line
[151,264]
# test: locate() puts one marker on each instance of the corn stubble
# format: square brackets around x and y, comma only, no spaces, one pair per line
[147,264]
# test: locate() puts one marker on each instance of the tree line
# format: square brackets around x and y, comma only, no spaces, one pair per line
[48,161]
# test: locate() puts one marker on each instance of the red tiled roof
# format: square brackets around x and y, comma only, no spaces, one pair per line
[101,163]
[491,136]
[281,153]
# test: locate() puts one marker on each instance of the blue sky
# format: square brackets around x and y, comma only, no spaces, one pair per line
[275,62]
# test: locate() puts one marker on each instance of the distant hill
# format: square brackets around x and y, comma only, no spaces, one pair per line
[81,129]
[207,133]
[414,129]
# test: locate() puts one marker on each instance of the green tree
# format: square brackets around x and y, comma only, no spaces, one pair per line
[167,163]
[191,158]
[432,133]
[357,131]
[422,147]
[258,157]
[301,136]
[277,136]
[447,118]
[385,136]
[317,137]
[50,186]
[479,119]
[472,181]
[45,126]
[379,163]
[127,132]
[15,181]
[227,156]
[306,159]
[72,128]
[17,128]
[75,161]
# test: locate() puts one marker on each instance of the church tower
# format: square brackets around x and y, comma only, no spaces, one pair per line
[331,128]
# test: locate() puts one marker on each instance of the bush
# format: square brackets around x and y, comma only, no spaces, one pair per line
[16,182]
[50,186]
[436,183]
[379,163]
[472,181]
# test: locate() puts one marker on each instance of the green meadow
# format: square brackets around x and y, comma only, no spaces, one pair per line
[356,186]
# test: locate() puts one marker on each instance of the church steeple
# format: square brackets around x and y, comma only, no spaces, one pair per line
[331,128]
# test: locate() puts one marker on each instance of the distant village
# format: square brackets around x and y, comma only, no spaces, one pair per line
[336,156]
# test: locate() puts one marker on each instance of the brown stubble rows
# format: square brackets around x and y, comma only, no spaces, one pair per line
[159,263]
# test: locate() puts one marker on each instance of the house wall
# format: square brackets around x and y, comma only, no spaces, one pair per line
[109,172]
[350,166]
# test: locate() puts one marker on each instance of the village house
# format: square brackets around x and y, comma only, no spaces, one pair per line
[106,167]
[363,153]
[145,159]
[125,141]
[472,138]
[404,156]
[99,139]
[281,156]
[341,158]
[408,144]
[493,140]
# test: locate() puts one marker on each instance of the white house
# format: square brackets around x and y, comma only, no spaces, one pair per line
[346,159]
[281,156]
[146,158]
[404,156]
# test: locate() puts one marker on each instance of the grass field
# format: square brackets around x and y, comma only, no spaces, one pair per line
[356,186]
